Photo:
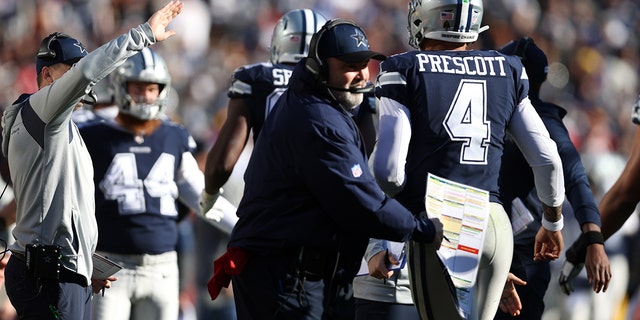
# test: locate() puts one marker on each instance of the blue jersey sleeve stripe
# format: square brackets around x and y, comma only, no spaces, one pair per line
[390,78]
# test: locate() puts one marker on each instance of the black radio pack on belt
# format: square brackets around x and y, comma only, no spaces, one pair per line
[43,261]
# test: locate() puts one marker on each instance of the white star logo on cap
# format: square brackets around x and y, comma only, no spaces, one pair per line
[80,46]
[360,39]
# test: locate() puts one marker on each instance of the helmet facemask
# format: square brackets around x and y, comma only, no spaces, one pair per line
[145,66]
[139,107]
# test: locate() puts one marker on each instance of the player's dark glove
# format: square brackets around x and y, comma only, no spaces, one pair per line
[429,230]
[573,264]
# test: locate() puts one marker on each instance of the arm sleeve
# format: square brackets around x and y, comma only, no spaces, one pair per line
[375,246]
[390,154]
[578,190]
[190,181]
[532,137]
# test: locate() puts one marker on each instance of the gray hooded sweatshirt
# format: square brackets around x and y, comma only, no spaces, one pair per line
[50,166]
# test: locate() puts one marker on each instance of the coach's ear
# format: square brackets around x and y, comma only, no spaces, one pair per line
[47,78]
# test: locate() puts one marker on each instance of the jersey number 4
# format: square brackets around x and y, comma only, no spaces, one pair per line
[121,183]
[466,121]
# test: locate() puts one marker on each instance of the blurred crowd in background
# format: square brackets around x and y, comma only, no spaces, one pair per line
[592,47]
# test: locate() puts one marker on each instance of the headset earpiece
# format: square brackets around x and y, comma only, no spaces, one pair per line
[313,62]
[45,52]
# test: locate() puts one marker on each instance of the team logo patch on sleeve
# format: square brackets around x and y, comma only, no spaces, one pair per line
[356,170]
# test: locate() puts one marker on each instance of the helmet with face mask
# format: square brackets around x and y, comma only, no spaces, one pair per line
[292,34]
[447,20]
[145,66]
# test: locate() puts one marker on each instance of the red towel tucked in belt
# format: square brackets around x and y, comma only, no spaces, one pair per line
[230,263]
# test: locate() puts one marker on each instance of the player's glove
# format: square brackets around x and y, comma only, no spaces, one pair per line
[428,230]
[573,264]
[569,272]
[207,200]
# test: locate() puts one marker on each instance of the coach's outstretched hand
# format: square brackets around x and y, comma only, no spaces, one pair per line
[161,19]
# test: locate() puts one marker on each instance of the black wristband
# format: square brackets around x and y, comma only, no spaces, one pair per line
[594,237]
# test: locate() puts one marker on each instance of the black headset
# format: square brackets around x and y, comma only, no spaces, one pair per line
[45,52]
[314,63]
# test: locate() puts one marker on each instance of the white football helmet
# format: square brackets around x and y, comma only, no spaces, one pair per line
[447,20]
[292,34]
[144,66]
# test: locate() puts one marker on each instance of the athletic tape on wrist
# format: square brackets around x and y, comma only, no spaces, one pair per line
[594,237]
[553,226]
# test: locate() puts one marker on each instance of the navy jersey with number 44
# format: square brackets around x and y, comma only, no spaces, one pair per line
[262,84]
[138,181]
[460,105]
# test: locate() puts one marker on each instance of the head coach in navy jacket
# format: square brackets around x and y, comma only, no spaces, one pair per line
[310,202]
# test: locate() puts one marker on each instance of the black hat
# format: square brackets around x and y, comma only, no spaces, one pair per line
[59,48]
[532,57]
[348,43]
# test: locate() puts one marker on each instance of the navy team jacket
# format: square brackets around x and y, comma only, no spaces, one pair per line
[308,183]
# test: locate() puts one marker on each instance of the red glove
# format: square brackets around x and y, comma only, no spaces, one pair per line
[230,263]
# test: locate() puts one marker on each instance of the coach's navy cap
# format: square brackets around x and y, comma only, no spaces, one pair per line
[59,48]
[347,42]
[533,59]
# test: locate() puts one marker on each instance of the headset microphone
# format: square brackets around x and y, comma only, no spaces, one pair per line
[365,89]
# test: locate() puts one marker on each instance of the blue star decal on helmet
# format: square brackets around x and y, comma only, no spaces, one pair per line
[80,46]
[360,39]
